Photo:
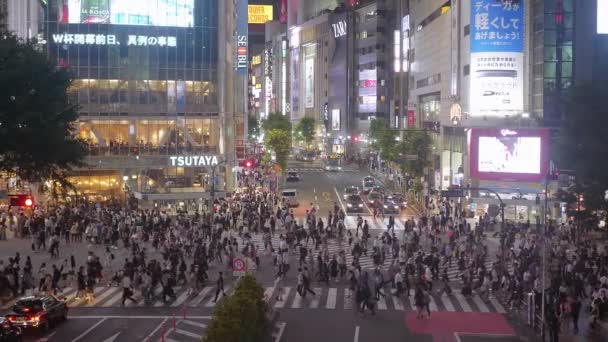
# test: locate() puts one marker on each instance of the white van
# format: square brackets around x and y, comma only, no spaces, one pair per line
[289,197]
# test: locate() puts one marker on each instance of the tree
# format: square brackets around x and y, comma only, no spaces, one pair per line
[277,121]
[581,139]
[37,122]
[306,128]
[241,317]
[253,127]
[279,141]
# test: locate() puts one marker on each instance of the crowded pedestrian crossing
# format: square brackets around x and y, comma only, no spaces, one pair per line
[325,298]
[341,298]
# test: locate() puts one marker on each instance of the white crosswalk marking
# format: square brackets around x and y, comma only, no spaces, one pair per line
[412,302]
[297,301]
[106,294]
[211,303]
[397,303]
[201,296]
[381,303]
[432,304]
[281,303]
[181,299]
[160,303]
[115,299]
[348,300]
[447,303]
[78,302]
[314,304]
[496,304]
[463,302]
[331,298]
[480,304]
[268,292]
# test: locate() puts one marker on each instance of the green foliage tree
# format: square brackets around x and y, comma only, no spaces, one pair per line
[37,122]
[306,129]
[241,317]
[414,143]
[580,143]
[279,141]
[253,127]
[277,121]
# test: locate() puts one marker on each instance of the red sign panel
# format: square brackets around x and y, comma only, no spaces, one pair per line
[411,119]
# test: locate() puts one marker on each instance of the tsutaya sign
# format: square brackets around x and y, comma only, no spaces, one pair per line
[193,161]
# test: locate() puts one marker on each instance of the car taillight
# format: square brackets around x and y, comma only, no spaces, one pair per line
[11,318]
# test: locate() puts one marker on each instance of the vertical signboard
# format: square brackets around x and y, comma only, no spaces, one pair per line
[241,36]
[295,86]
[497,42]
[309,76]
[338,73]
[602,13]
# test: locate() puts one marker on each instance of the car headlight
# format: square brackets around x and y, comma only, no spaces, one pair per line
[360,205]
[339,167]
[349,205]
[386,206]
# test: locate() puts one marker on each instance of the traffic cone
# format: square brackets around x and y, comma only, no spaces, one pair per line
[162,333]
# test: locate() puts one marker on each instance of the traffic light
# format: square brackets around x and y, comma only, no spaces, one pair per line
[23,201]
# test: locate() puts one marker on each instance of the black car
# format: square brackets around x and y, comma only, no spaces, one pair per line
[350,190]
[9,332]
[38,312]
[354,203]
[292,176]
[390,206]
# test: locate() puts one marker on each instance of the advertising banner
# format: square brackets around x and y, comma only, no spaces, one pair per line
[411,119]
[602,13]
[497,41]
[335,119]
[509,154]
[242,42]
[260,14]
[295,89]
[283,12]
[309,81]
[174,13]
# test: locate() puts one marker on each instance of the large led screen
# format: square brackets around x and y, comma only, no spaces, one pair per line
[602,16]
[509,154]
[177,13]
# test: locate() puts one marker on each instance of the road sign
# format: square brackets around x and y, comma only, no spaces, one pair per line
[238,266]
[454,193]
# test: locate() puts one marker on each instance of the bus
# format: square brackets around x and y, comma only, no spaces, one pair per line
[333,163]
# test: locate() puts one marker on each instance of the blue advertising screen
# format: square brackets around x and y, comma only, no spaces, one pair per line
[497,26]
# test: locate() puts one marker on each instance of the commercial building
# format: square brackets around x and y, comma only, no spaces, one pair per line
[22,17]
[157,85]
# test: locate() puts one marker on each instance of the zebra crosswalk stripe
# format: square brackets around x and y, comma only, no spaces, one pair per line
[382,303]
[211,303]
[480,304]
[397,304]
[314,304]
[104,295]
[432,304]
[496,304]
[463,302]
[117,296]
[297,301]
[348,300]
[281,303]
[201,296]
[447,303]
[331,298]
[181,299]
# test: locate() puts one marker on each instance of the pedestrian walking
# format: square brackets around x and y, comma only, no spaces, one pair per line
[220,286]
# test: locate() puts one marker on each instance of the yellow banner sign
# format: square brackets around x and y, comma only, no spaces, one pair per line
[260,14]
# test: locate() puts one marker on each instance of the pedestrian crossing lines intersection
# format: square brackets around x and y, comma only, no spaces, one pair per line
[338,298]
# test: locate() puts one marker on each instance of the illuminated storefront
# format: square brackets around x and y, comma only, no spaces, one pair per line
[146,82]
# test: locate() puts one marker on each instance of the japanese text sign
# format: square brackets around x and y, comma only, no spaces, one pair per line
[497,25]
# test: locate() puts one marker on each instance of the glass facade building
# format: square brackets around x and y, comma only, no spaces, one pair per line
[146,83]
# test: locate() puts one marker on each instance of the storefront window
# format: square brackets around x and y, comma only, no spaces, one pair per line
[430,107]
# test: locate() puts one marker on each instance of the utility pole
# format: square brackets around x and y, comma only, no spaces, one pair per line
[213,182]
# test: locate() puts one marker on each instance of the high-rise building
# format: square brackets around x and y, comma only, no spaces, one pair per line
[22,17]
[156,85]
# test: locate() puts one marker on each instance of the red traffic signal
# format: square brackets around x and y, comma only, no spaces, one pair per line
[23,201]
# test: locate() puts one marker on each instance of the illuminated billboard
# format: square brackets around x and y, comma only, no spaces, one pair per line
[174,13]
[602,11]
[497,60]
[260,14]
[509,154]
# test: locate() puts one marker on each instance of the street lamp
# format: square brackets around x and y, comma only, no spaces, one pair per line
[213,182]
